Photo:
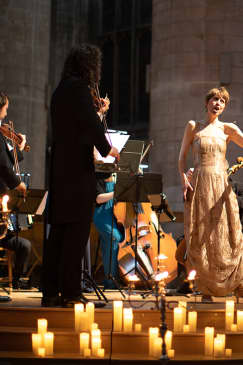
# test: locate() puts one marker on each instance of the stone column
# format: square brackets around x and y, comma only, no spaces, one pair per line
[24,62]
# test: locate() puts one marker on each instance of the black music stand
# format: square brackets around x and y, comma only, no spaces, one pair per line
[135,189]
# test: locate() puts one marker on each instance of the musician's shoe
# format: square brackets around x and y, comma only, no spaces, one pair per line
[5,298]
[70,302]
[51,301]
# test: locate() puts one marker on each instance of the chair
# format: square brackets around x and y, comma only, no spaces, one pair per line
[6,259]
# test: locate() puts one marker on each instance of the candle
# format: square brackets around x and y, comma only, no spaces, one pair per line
[157,347]
[101,352]
[48,342]
[95,345]
[192,321]
[186,328]
[83,342]
[183,306]
[5,200]
[228,352]
[240,320]
[84,322]
[168,340]
[41,351]
[229,314]
[171,353]
[117,315]
[209,338]
[78,309]
[178,319]
[222,348]
[36,342]
[87,352]
[217,350]
[234,327]
[153,334]
[90,314]
[127,319]
[42,326]
[138,327]
[96,333]
[94,326]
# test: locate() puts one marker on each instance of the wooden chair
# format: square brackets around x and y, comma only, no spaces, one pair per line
[6,259]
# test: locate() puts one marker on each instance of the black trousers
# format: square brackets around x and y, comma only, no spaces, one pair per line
[22,249]
[63,253]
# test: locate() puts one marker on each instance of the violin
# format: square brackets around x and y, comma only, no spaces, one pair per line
[7,131]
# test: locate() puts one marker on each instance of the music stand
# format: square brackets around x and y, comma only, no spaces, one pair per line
[135,189]
[130,156]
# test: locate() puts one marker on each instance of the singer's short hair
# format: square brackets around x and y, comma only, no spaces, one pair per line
[3,99]
[218,91]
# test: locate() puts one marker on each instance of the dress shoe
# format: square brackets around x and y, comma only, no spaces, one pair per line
[206,299]
[51,301]
[71,301]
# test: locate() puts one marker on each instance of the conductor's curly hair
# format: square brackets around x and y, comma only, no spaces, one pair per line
[3,99]
[83,61]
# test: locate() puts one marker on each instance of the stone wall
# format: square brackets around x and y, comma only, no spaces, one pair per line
[24,61]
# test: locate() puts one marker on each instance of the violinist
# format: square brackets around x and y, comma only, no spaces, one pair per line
[76,129]
[9,180]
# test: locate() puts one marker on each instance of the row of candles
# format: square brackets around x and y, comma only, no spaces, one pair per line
[155,343]
[42,341]
[123,319]
[215,346]
[180,319]
[229,317]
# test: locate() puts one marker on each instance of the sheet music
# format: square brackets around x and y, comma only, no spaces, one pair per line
[118,141]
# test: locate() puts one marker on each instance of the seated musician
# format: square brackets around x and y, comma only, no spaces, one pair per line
[106,224]
[10,180]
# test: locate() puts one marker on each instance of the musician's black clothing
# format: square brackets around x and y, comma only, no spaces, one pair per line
[76,129]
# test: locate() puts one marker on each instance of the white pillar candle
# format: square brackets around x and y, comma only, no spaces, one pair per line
[41,352]
[240,320]
[95,345]
[94,326]
[87,352]
[42,325]
[157,347]
[234,327]
[90,314]
[127,319]
[183,306]
[48,342]
[228,352]
[153,334]
[138,327]
[36,342]
[217,349]
[5,200]
[171,353]
[209,341]
[101,352]
[229,306]
[229,314]
[222,338]
[168,340]
[96,333]
[192,321]
[78,309]
[178,319]
[186,328]
[84,323]
[83,342]
[117,315]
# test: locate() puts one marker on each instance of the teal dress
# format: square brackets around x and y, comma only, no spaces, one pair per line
[102,219]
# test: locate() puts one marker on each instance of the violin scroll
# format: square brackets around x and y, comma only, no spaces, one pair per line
[7,131]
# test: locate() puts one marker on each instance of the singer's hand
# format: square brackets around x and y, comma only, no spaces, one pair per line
[114,153]
[22,189]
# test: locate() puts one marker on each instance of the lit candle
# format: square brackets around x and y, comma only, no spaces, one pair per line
[41,351]
[217,350]
[96,333]
[138,327]
[117,315]
[5,200]
[36,342]
[127,319]
[48,342]
[234,327]
[222,348]
[95,345]
[183,306]
[171,353]
[84,322]
[240,320]
[157,347]
[42,326]
[209,338]
[192,321]
[87,352]
[78,309]
[90,314]
[83,342]
[94,326]
[101,352]
[168,340]
[153,334]
[178,319]
[186,328]
[228,352]
[229,314]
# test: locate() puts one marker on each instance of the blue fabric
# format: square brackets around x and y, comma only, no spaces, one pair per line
[103,221]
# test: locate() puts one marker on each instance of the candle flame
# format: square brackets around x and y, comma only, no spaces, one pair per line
[133,278]
[162,275]
[192,275]
[5,200]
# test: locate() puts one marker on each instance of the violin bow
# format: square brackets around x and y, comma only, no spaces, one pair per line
[103,119]
[16,162]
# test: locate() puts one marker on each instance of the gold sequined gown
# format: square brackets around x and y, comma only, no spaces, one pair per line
[212,223]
